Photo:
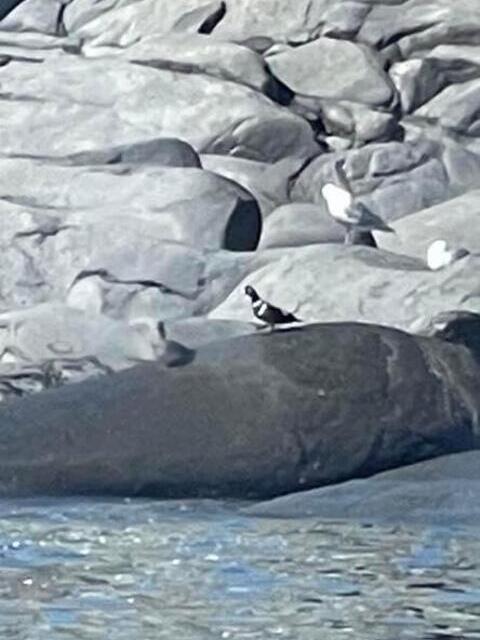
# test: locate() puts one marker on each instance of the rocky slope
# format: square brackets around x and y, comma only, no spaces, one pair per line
[157,156]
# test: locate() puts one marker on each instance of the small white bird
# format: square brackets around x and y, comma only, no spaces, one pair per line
[345,209]
[440,255]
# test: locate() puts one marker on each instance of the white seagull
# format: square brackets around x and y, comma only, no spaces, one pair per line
[345,209]
[440,255]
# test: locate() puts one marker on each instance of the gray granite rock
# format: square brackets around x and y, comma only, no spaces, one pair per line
[440,492]
[121,266]
[344,19]
[455,108]
[106,98]
[109,109]
[414,26]
[299,224]
[417,81]
[31,47]
[456,221]
[280,20]
[121,22]
[44,16]
[335,69]
[393,179]
[269,183]
[368,398]
[216,214]
[165,152]
[327,282]
[193,54]
[56,331]
[197,332]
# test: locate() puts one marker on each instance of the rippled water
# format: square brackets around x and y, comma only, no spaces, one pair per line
[142,570]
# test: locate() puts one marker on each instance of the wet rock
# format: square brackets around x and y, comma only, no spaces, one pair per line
[368,398]
[335,69]
[444,491]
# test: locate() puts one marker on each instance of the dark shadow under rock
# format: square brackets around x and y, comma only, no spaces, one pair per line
[242,232]
[203,19]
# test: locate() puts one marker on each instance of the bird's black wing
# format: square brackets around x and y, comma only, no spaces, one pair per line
[289,317]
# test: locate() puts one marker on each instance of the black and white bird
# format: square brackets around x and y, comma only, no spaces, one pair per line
[346,209]
[266,312]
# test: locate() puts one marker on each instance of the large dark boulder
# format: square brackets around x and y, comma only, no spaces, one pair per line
[459,327]
[255,416]
[444,491]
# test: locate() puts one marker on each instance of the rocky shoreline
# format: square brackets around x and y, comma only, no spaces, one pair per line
[158,156]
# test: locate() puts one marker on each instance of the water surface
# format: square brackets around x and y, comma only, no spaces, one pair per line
[146,570]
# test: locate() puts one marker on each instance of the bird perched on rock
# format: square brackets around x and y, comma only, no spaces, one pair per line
[266,312]
[348,211]
[440,255]
[175,354]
